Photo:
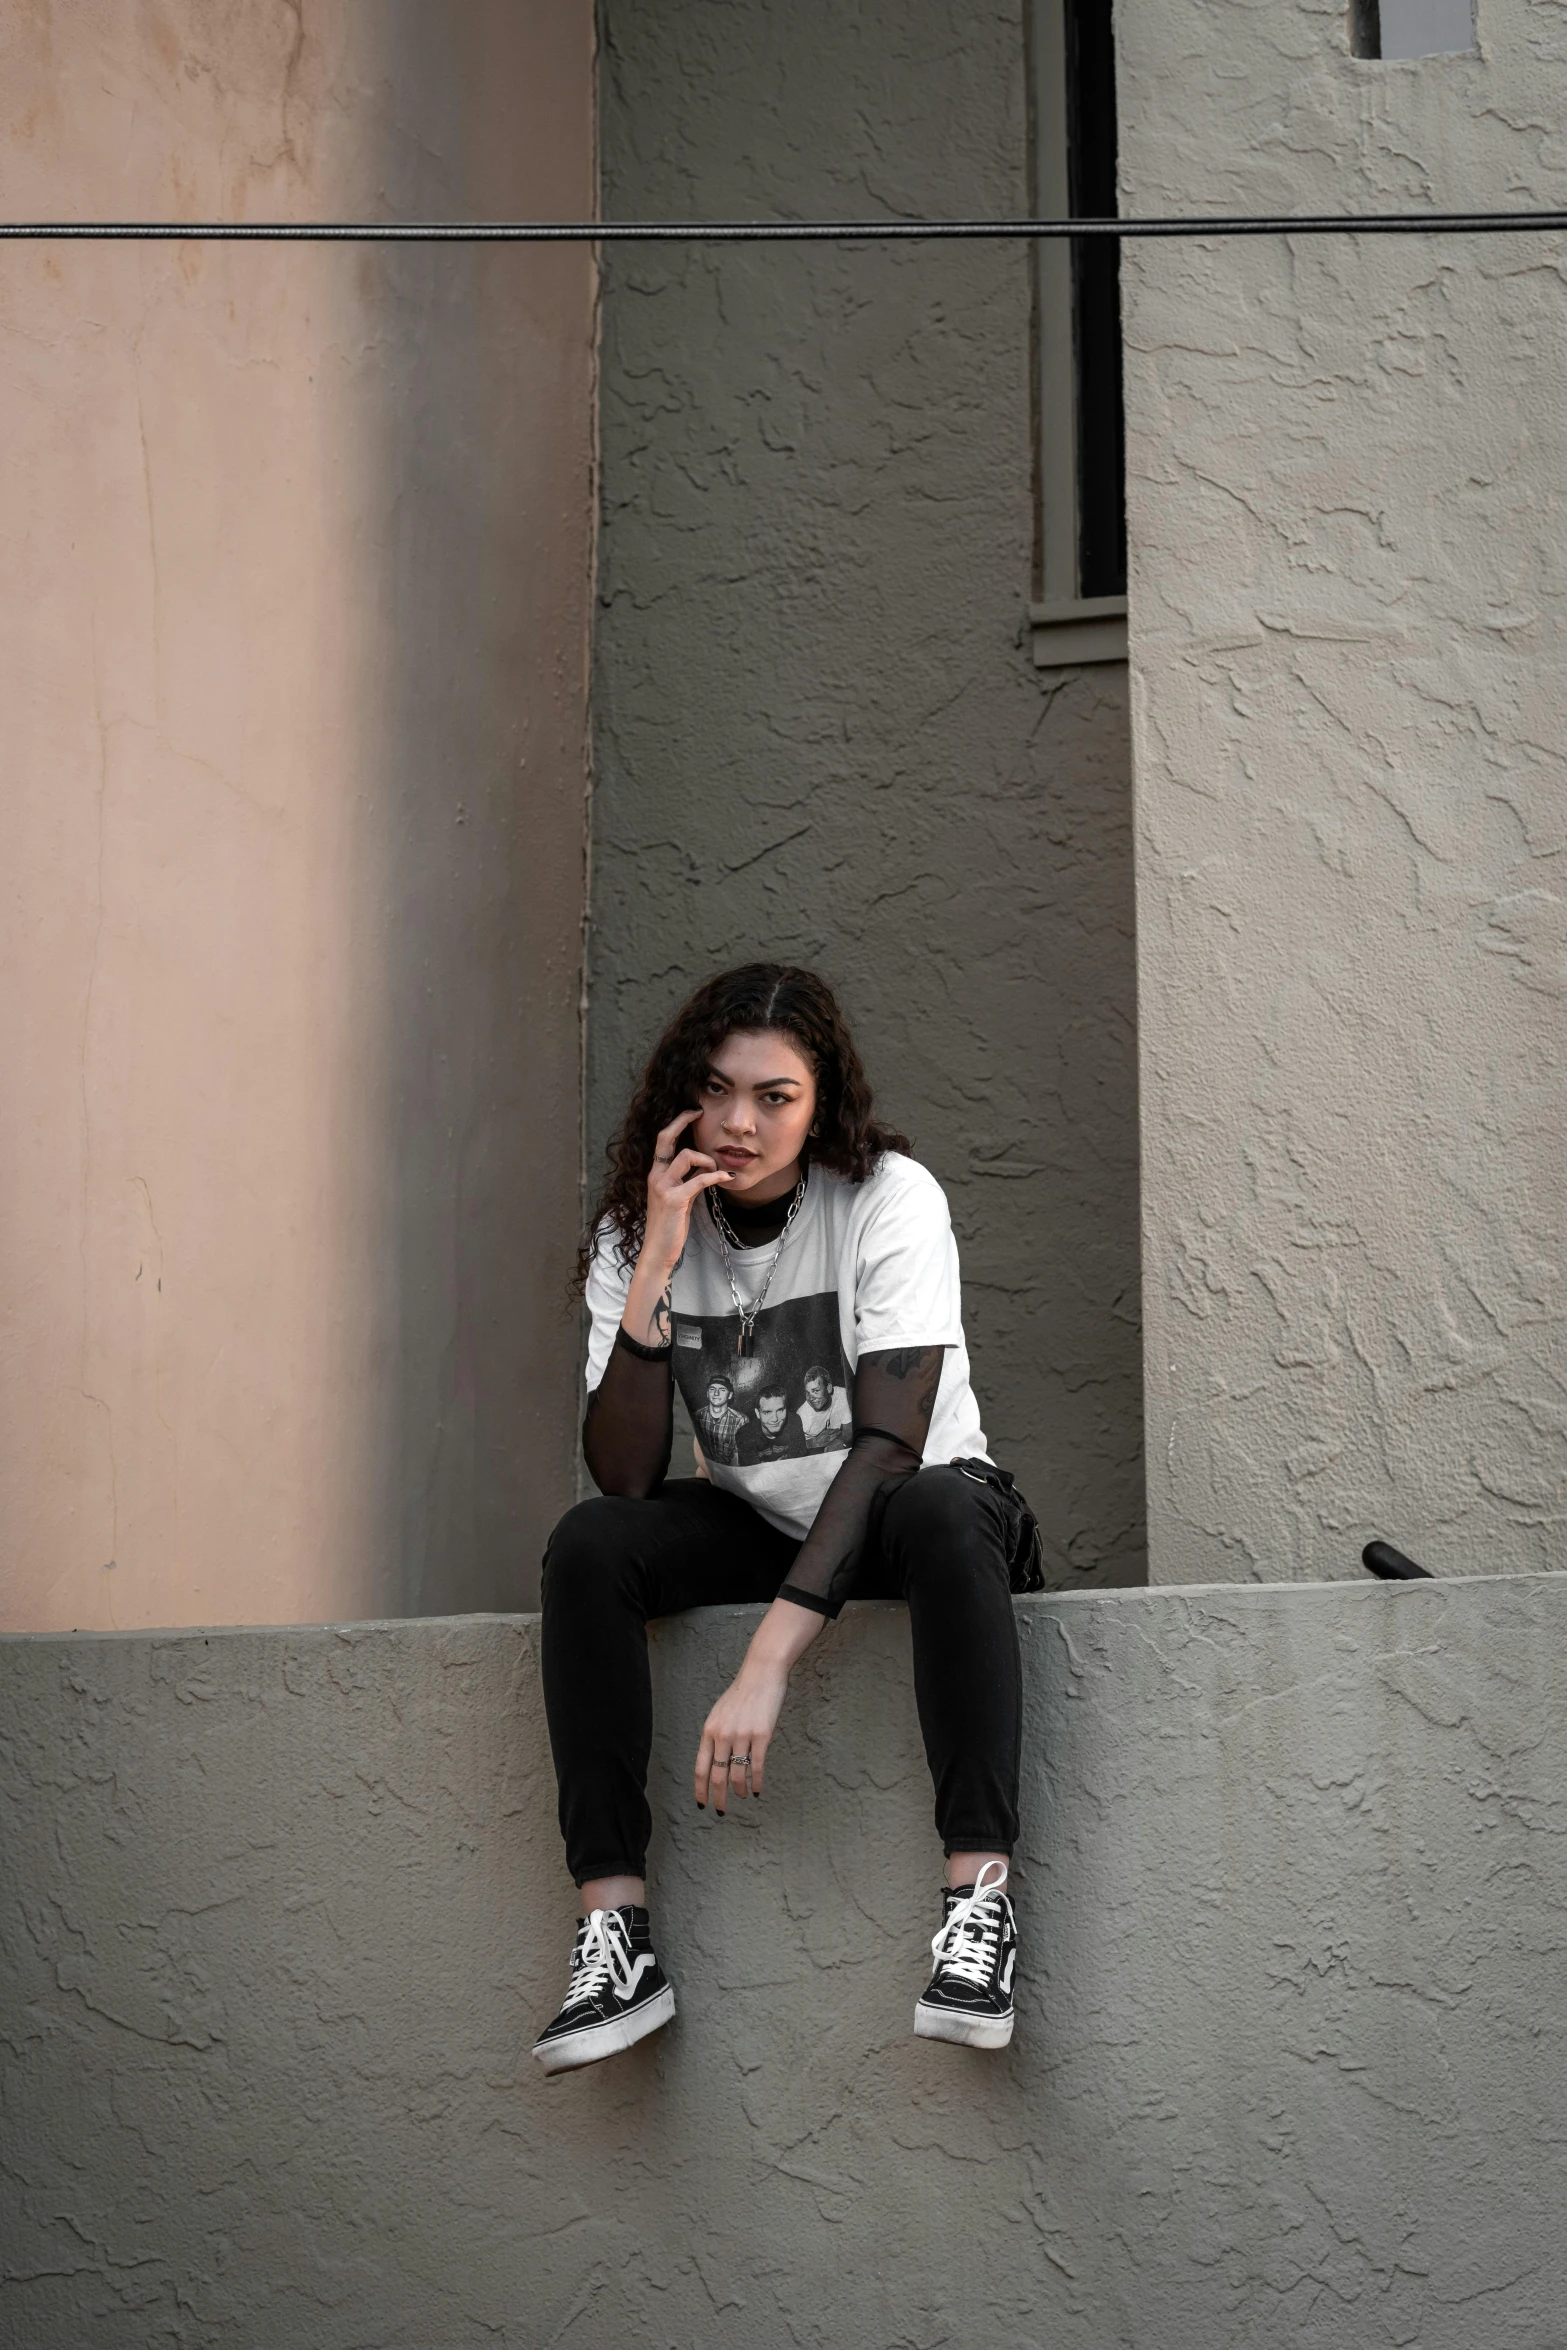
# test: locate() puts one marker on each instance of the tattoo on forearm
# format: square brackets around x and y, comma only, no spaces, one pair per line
[917,1369]
[921,1363]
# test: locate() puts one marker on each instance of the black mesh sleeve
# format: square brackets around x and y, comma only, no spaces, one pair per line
[894,1396]
[630,1422]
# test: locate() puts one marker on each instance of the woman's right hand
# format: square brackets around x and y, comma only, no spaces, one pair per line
[674,1181]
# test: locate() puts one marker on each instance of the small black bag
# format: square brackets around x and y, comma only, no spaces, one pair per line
[1025,1546]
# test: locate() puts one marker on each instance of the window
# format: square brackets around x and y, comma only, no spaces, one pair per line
[1411,28]
[1079,608]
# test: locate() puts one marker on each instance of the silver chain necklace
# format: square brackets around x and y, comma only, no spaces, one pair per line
[728,1238]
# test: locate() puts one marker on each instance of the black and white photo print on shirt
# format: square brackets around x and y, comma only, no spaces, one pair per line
[868,1266]
[788,1397]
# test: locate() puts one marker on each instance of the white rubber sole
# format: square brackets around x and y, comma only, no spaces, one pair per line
[601,2040]
[969,2031]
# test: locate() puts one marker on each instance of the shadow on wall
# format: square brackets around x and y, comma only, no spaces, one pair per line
[294,619]
[816,734]
[816,729]
[475,792]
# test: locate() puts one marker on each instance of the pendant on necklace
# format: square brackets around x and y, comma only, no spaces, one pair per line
[744,1347]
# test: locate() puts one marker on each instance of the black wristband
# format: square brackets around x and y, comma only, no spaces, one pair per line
[817,1606]
[644,1354]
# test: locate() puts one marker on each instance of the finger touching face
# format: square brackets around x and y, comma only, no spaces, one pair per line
[669,1139]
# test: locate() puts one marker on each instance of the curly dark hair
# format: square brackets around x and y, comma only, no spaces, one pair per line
[849,1138]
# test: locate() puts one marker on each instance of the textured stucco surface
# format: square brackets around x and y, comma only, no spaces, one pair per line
[293,626]
[1348,610]
[817,730]
[283,1909]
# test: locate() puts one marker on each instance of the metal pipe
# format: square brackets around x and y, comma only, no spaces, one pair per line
[747,232]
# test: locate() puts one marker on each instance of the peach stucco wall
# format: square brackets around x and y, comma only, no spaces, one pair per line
[293,620]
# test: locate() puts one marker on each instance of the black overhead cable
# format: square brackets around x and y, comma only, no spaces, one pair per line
[748,232]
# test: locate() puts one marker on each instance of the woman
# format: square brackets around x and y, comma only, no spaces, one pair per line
[765,1242]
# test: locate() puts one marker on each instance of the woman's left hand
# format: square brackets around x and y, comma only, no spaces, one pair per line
[735,1737]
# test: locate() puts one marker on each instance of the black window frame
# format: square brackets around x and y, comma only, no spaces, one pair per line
[1080,552]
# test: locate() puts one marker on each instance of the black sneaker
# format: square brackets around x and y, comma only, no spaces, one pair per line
[617,1994]
[969,1997]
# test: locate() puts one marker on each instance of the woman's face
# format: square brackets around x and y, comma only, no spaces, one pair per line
[757,1106]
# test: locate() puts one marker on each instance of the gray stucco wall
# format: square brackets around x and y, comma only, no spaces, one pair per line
[1348,616]
[818,734]
[283,1910]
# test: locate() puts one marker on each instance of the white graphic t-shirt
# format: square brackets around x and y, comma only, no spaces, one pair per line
[865,1267]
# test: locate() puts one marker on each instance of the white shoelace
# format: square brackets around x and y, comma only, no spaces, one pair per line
[601,1958]
[966,1944]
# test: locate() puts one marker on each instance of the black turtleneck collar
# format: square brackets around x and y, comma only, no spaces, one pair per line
[754,1227]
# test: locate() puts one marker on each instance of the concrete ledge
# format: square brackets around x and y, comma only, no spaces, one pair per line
[282,1910]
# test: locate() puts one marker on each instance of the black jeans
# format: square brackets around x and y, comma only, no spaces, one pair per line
[941,1544]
